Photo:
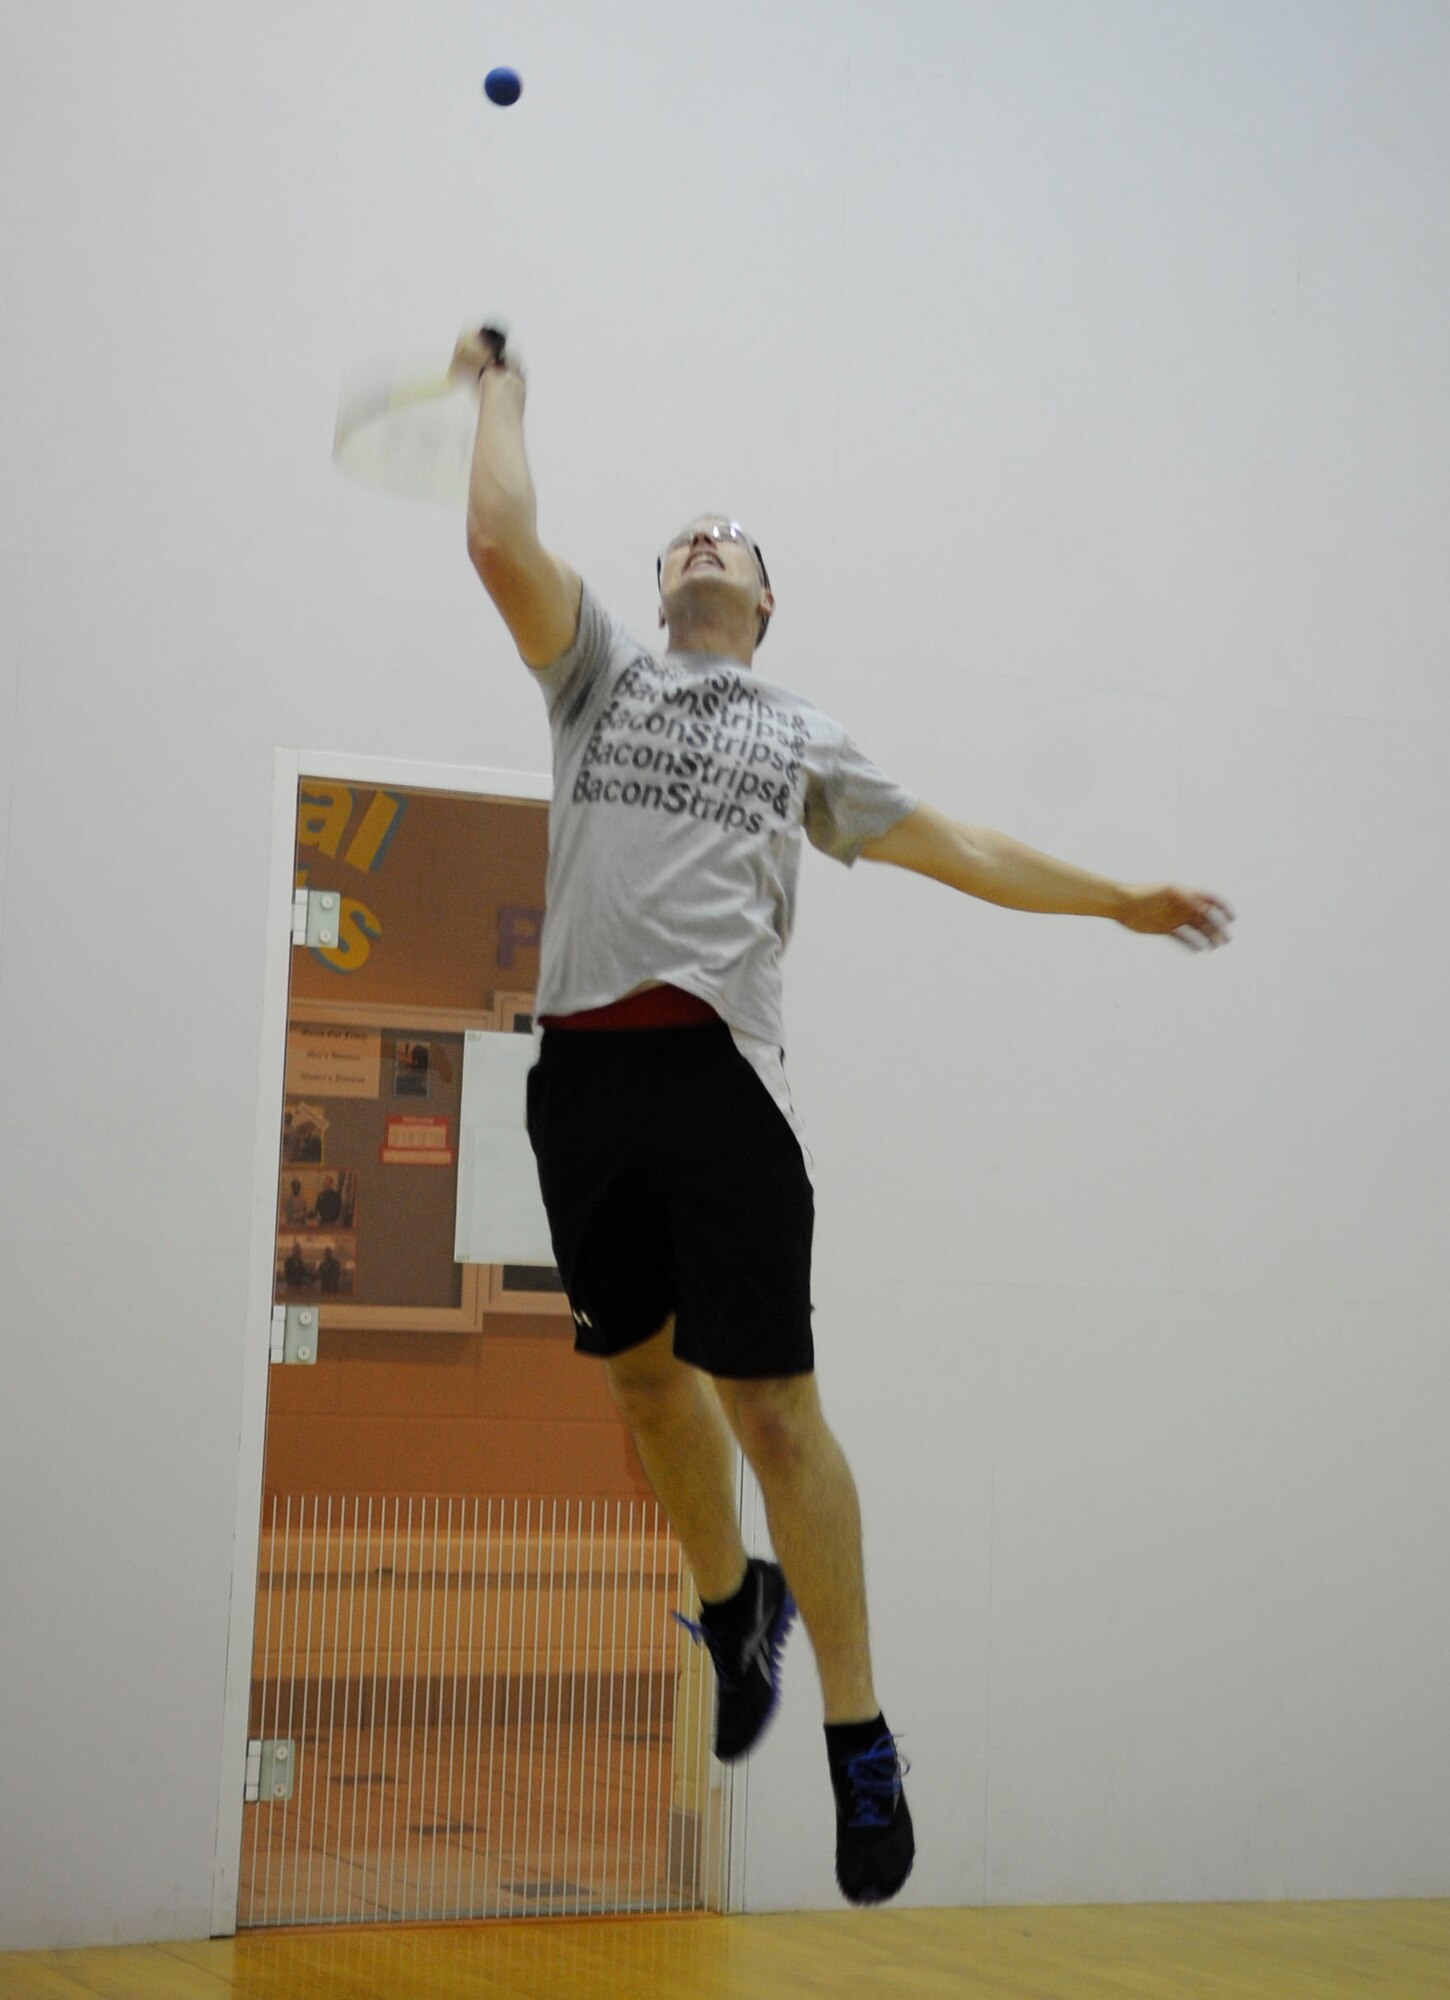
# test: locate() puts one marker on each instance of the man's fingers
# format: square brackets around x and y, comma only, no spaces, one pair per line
[1213,918]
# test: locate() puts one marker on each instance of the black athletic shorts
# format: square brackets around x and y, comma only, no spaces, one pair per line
[674,1184]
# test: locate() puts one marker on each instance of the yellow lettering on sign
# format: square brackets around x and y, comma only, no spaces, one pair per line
[357,930]
[371,839]
[322,817]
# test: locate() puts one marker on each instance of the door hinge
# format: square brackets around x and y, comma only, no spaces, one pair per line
[295,1334]
[271,1769]
[315,916]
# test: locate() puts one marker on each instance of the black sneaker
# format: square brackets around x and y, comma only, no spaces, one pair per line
[747,1660]
[875,1844]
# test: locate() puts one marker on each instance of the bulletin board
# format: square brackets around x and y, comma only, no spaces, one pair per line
[372,1107]
[441,906]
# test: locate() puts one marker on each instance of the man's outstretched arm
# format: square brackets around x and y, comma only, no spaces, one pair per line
[537,594]
[998,869]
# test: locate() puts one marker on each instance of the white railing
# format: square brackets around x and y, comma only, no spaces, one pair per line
[493,1713]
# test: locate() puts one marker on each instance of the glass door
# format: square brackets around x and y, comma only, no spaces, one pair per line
[464,1582]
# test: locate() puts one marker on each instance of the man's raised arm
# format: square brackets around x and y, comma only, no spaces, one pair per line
[536,593]
[1001,870]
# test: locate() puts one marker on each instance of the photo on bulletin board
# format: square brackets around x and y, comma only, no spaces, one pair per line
[315,1264]
[312,1198]
[304,1135]
[411,1065]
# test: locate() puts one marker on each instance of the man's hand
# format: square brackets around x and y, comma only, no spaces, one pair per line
[1196,920]
[478,353]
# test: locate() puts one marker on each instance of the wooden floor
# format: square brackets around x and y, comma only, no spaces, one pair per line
[1234,1951]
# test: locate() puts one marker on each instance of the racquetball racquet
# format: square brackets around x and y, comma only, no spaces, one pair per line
[407,429]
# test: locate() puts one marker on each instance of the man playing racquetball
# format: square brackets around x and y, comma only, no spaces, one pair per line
[671,1166]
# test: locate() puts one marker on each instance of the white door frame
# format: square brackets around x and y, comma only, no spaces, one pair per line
[289,768]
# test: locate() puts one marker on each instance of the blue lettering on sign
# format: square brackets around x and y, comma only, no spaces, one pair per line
[520,928]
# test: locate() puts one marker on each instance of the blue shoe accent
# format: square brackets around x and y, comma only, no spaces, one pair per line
[874,1779]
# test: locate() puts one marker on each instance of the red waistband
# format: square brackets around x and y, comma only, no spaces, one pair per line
[656,1007]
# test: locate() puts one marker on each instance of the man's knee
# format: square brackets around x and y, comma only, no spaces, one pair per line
[647,1381]
[776,1420]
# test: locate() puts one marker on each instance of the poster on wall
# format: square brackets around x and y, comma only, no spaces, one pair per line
[501,1217]
[334,1062]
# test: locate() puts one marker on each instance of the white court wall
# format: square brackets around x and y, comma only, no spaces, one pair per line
[1081,371]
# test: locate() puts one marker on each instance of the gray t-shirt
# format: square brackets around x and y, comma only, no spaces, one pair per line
[680,789]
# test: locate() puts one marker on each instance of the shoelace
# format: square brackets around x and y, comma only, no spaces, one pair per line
[715,1644]
[875,1776]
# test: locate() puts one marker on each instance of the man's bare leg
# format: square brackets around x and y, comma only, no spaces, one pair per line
[815,1525]
[686,1449]
[811,1503]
